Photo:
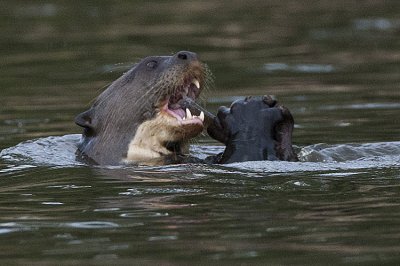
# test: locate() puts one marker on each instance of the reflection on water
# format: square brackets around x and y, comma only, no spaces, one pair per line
[302,68]
[377,24]
[334,64]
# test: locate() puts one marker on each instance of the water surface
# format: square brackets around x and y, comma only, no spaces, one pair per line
[335,65]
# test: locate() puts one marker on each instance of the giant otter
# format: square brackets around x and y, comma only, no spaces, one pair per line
[138,119]
[252,129]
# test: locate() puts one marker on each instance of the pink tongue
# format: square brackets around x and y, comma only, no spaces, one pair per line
[179,112]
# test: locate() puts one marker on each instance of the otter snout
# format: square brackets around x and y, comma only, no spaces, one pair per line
[185,56]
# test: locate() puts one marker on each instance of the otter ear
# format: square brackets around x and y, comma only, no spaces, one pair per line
[85,119]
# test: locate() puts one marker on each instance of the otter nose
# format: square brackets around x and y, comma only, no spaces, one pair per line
[185,55]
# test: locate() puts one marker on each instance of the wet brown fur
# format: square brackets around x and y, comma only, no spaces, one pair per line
[135,98]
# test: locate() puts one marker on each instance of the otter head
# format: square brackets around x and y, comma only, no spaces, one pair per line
[138,118]
[254,129]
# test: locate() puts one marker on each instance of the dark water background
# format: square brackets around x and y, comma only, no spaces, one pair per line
[335,64]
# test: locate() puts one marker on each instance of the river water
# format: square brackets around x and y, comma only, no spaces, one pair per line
[334,64]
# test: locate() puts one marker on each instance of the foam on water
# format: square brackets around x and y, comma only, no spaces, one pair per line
[51,151]
[60,152]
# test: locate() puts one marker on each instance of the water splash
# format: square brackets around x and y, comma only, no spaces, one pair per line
[60,152]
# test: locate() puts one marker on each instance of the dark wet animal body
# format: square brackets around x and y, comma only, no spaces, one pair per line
[137,119]
[252,129]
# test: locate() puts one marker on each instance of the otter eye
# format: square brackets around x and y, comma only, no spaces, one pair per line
[151,64]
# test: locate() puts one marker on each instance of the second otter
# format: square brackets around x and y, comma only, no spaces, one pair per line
[252,129]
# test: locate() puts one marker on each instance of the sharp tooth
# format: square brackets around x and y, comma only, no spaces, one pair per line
[201,116]
[188,114]
[196,83]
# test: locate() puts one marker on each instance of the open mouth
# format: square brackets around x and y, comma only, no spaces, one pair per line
[190,89]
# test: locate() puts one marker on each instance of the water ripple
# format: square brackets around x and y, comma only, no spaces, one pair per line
[92,225]
[299,68]
[6,228]
[361,106]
